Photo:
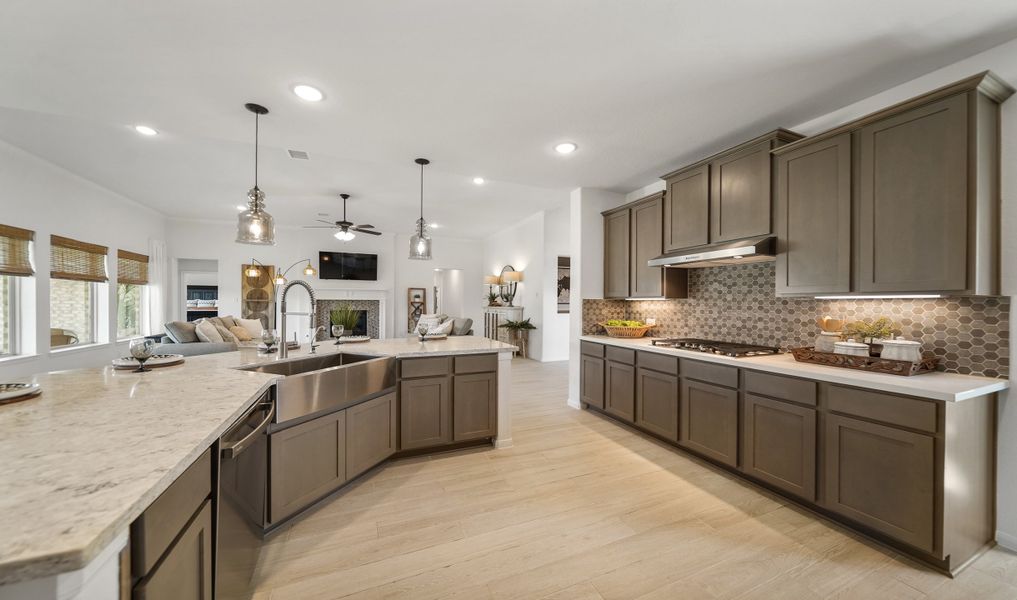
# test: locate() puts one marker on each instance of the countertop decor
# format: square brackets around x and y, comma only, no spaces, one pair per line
[867,363]
[623,329]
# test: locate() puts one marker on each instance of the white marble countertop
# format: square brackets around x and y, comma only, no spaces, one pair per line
[85,458]
[948,387]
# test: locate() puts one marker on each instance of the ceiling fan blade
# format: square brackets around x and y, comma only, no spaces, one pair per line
[324,221]
[366,226]
[319,226]
[367,231]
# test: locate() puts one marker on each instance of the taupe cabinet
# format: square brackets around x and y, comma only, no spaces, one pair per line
[445,400]
[171,542]
[882,463]
[371,433]
[620,390]
[725,197]
[633,234]
[591,374]
[306,463]
[905,200]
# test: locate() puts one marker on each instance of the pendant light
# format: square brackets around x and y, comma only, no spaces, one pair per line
[420,243]
[254,225]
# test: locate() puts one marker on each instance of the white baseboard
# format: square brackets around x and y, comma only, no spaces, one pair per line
[573,404]
[1007,540]
[500,443]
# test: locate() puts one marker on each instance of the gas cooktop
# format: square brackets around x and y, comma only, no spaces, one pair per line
[732,349]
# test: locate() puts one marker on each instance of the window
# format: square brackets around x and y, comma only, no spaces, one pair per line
[132,277]
[77,274]
[15,265]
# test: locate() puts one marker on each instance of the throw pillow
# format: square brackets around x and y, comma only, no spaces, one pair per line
[442,329]
[207,332]
[228,321]
[227,335]
[181,332]
[215,320]
[462,326]
[253,326]
[241,333]
[430,321]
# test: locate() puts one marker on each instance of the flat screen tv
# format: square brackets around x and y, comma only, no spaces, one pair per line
[348,265]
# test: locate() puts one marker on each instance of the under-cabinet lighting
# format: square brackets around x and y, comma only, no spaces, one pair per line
[883,297]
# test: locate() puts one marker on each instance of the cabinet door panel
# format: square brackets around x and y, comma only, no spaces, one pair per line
[913,200]
[647,233]
[709,420]
[425,412]
[740,194]
[370,434]
[306,462]
[185,571]
[687,209]
[616,254]
[591,387]
[657,403]
[620,390]
[814,218]
[474,406]
[779,445]
[881,477]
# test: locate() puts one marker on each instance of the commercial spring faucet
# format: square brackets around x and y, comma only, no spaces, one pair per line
[283,350]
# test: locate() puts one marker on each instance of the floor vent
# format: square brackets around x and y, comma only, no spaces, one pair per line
[299,154]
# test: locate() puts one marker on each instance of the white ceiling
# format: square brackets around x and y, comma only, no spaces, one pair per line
[478,86]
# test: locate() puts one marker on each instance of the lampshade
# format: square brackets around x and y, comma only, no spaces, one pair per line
[280,280]
[512,276]
[252,269]
[344,235]
[309,270]
[491,280]
[420,244]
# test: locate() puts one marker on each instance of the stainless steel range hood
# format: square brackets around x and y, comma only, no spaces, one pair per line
[758,249]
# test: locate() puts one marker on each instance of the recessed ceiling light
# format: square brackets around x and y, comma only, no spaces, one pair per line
[434,226]
[306,92]
[145,130]
[478,180]
[565,148]
[241,207]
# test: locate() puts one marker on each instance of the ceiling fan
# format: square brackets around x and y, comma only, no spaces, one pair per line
[345,228]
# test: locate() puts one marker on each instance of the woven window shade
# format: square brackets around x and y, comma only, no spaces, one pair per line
[132,268]
[14,251]
[78,261]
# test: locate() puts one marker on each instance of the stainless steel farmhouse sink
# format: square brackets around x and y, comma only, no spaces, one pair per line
[315,385]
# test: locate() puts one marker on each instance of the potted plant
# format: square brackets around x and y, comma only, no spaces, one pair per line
[492,299]
[519,333]
[872,332]
[345,316]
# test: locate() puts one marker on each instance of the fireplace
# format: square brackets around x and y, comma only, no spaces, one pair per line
[368,322]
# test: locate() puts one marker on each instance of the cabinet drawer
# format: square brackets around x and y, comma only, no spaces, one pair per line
[802,391]
[154,531]
[622,355]
[895,410]
[424,367]
[478,363]
[658,362]
[710,373]
[591,349]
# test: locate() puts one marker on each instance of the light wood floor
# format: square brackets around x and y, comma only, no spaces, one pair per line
[583,509]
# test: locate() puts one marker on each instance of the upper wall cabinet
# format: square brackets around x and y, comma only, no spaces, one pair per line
[902,201]
[724,197]
[633,234]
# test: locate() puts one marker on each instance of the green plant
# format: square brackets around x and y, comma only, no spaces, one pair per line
[492,297]
[881,328]
[344,315]
[523,325]
[623,323]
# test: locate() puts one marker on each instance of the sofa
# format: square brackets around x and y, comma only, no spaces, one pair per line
[217,335]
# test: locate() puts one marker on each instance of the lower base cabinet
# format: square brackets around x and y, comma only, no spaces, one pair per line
[425,412]
[620,390]
[882,477]
[474,406]
[709,421]
[185,571]
[779,445]
[591,387]
[657,403]
[306,462]
[371,430]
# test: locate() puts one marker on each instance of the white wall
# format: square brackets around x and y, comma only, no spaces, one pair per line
[555,342]
[446,253]
[396,272]
[586,240]
[50,200]
[522,246]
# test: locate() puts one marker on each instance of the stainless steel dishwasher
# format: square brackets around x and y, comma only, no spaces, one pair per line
[243,493]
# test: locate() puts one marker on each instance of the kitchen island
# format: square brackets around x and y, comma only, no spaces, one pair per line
[909,461]
[88,456]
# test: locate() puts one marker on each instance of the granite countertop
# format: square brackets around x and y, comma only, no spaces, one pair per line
[85,458]
[948,387]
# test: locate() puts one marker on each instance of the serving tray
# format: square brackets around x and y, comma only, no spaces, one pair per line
[157,360]
[867,363]
[13,392]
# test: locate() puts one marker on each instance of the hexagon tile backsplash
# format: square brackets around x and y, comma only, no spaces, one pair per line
[970,335]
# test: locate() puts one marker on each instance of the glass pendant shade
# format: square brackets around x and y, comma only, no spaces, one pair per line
[254,225]
[420,243]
